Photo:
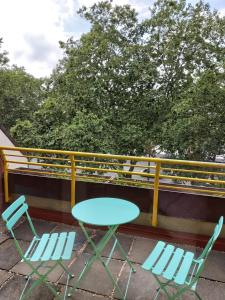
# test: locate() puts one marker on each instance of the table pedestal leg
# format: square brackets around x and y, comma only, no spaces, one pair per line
[97,256]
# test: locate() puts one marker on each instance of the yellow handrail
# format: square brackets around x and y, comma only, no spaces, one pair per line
[73,179]
[122,157]
[156,195]
[6,185]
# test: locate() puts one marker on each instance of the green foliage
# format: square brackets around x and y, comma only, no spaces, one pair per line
[107,73]
[126,86]
[3,56]
[86,132]
[20,95]
[25,134]
[196,127]
[187,43]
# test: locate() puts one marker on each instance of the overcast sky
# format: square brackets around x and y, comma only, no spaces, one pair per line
[31,29]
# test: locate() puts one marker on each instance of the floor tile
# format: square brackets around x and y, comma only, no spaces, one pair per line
[23,231]
[142,284]
[4,275]
[9,255]
[23,269]
[215,266]
[14,286]
[96,280]
[84,295]
[141,249]
[211,290]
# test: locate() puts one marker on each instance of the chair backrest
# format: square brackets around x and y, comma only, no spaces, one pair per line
[203,256]
[212,240]
[14,212]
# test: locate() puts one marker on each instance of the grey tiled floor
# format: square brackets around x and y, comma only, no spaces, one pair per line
[96,285]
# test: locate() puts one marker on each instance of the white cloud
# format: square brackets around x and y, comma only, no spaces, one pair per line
[31,30]
[222,12]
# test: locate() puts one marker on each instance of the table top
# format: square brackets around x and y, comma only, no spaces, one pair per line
[105,211]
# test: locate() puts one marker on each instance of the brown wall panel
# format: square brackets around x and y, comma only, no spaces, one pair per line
[59,189]
[174,204]
[1,182]
[191,206]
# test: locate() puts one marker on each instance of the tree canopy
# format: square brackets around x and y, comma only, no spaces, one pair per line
[129,84]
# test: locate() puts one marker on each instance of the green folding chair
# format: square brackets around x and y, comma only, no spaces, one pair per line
[177,268]
[54,247]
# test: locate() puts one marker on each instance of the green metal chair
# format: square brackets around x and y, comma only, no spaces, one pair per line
[177,268]
[54,247]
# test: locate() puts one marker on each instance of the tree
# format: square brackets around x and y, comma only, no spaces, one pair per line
[86,133]
[141,83]
[196,127]
[186,42]
[107,73]
[25,134]
[3,56]
[20,95]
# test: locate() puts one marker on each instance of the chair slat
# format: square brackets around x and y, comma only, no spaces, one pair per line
[173,264]
[163,261]
[69,245]
[50,247]
[15,217]
[184,268]
[156,252]
[11,209]
[31,248]
[40,248]
[60,246]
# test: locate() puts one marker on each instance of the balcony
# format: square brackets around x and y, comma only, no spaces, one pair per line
[142,285]
[168,193]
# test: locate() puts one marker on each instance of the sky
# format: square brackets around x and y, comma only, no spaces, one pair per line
[31,29]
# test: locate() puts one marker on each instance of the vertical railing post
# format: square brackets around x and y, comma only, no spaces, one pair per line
[6,180]
[73,180]
[156,194]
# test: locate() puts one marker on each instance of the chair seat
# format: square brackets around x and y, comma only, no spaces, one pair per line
[170,262]
[54,247]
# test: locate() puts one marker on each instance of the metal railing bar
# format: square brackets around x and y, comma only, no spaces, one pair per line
[116,171]
[193,171]
[38,172]
[119,157]
[192,179]
[39,164]
[114,164]
[39,157]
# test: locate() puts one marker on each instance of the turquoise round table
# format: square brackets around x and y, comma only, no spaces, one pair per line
[105,211]
[110,212]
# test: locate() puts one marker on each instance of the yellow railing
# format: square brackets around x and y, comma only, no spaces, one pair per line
[155,173]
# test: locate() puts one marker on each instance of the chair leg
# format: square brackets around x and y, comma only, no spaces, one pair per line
[41,278]
[27,282]
[124,254]
[36,283]
[162,286]
[65,269]
[197,295]
[156,293]
[180,293]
